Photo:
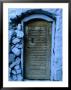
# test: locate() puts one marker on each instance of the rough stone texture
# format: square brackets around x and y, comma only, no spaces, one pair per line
[16,40]
[18,45]
[19,77]
[13,71]
[11,58]
[16,51]
[17,67]
[14,77]
[57,63]
[16,62]
[18,71]
[19,33]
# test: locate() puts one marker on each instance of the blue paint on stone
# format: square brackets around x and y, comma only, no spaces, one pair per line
[17,67]
[17,48]
[16,40]
[16,51]
[19,33]
[11,58]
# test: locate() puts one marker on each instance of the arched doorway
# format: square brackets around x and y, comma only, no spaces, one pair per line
[38,52]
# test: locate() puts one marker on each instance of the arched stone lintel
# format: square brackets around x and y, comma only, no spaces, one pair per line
[38,11]
[37,16]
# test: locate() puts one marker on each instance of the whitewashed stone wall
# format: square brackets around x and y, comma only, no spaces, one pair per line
[15,46]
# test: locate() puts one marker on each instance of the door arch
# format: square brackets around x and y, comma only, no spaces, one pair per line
[48,18]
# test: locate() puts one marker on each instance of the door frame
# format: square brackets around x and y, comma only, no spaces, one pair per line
[48,19]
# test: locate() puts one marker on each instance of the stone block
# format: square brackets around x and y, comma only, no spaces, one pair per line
[19,33]
[16,40]
[19,27]
[14,77]
[17,67]
[11,58]
[18,60]
[19,46]
[13,71]
[19,77]
[16,51]
[18,71]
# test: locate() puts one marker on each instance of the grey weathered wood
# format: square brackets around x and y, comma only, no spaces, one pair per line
[38,51]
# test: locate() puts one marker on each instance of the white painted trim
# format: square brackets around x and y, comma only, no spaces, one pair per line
[38,16]
[44,17]
[52,55]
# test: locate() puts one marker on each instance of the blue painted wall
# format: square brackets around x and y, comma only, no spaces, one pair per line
[15,46]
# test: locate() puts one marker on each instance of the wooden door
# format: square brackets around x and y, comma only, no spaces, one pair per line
[37,50]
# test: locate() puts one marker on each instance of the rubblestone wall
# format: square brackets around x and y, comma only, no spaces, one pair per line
[15,47]
[16,35]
